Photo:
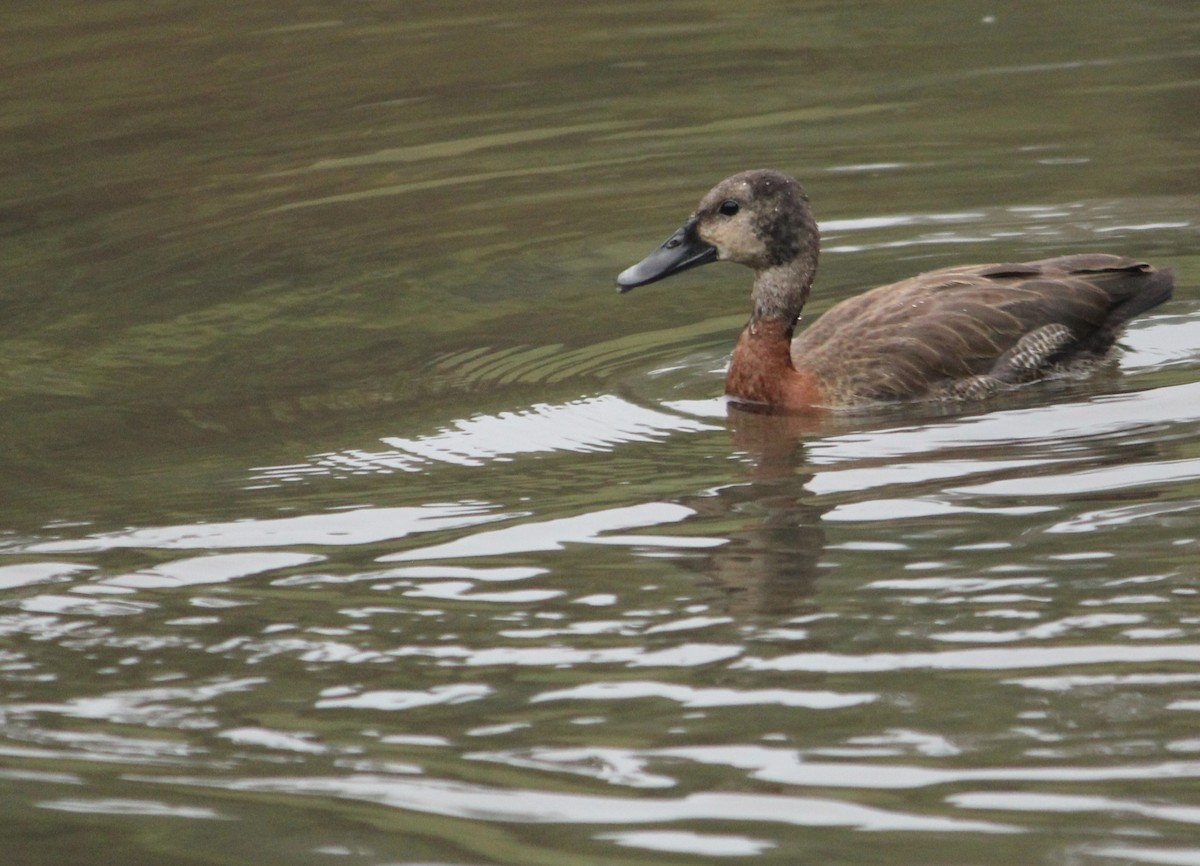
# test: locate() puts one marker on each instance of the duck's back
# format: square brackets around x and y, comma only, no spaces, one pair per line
[965,331]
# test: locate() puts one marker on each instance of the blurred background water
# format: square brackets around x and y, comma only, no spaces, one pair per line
[347,515]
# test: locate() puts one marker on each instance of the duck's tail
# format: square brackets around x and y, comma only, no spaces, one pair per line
[1133,287]
[1151,287]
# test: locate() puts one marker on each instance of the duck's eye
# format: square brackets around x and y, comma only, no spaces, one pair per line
[728,207]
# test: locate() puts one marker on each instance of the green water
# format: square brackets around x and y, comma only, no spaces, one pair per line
[348,515]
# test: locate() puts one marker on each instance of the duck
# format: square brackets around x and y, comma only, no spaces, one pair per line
[954,334]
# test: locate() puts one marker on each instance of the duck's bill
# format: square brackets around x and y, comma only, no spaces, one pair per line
[680,251]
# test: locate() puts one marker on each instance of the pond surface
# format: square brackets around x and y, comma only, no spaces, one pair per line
[349,516]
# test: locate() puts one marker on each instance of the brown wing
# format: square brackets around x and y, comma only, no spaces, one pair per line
[915,337]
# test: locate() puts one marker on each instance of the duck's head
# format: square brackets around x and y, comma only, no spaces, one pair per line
[760,219]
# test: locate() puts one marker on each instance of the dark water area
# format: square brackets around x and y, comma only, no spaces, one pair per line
[348,515]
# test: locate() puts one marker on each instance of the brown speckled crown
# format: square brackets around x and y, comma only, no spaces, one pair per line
[783,218]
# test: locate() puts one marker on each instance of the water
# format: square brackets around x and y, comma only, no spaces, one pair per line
[349,516]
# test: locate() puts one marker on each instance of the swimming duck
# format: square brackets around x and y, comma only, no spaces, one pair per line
[958,333]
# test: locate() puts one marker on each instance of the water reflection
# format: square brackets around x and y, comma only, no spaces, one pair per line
[348,526]
[589,424]
[531,806]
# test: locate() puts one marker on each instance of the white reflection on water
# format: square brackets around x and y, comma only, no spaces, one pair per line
[286,741]
[1060,222]
[1103,518]
[681,655]
[71,605]
[1157,856]
[879,222]
[790,767]
[140,808]
[101,747]
[1062,433]
[220,568]
[857,480]
[81,751]
[335,528]
[460,590]
[527,806]
[95,599]
[1140,474]
[623,767]
[392,700]
[977,659]
[26,573]
[1044,630]
[1161,341]
[181,707]
[894,741]
[554,534]
[441,572]
[705,697]
[587,424]
[956,584]
[1032,802]
[873,510]
[681,842]
[1059,423]
[41,776]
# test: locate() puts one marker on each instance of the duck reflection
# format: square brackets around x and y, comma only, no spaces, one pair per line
[775,539]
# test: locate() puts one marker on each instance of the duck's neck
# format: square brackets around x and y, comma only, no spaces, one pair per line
[781,285]
[780,292]
[762,372]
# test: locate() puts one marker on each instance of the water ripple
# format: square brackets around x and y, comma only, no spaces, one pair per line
[989,659]
[689,696]
[336,528]
[528,806]
[585,425]
[545,535]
